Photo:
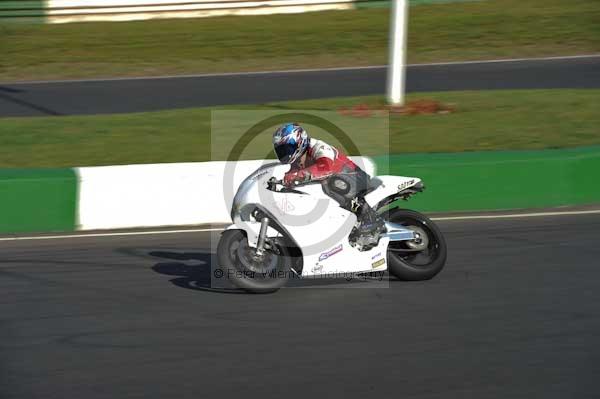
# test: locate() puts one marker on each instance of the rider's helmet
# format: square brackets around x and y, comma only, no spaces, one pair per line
[290,142]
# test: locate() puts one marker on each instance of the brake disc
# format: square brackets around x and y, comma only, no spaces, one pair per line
[263,263]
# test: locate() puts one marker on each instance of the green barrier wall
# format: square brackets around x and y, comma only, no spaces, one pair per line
[41,200]
[45,200]
[34,11]
[22,11]
[500,180]
[387,3]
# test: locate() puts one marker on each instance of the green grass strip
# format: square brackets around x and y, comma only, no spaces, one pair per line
[484,120]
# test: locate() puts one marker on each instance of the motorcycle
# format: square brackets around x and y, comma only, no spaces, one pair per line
[279,232]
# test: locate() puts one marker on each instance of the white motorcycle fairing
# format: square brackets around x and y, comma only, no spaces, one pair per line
[318,226]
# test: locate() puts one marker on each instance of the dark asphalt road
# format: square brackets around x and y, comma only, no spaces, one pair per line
[116,96]
[516,314]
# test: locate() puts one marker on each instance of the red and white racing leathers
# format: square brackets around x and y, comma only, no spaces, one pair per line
[321,161]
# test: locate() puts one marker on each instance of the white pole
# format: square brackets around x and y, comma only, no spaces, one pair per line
[397,50]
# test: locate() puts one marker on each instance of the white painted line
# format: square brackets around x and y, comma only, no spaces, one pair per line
[128,233]
[306,70]
[507,60]
[518,215]
[156,232]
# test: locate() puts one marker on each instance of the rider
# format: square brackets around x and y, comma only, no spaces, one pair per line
[314,160]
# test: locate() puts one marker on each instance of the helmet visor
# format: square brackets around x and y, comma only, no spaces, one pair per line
[285,151]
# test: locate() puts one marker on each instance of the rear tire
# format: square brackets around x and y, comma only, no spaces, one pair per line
[405,260]
[258,275]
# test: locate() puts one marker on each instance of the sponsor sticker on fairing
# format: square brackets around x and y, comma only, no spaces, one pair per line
[330,253]
[406,184]
[378,263]
[376,256]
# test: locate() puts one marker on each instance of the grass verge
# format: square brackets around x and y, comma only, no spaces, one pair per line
[484,120]
[437,32]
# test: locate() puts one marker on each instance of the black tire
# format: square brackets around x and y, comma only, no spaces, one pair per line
[417,265]
[258,278]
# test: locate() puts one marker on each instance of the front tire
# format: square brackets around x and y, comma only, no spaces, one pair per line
[419,259]
[245,270]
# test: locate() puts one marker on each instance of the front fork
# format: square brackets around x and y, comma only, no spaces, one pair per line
[262,236]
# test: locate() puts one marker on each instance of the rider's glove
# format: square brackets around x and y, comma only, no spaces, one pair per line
[295,177]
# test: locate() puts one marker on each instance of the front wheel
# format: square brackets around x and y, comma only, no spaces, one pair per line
[418,259]
[255,273]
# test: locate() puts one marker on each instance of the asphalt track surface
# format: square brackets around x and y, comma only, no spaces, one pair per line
[136,95]
[515,314]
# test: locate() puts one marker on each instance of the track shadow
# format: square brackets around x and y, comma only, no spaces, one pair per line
[192,270]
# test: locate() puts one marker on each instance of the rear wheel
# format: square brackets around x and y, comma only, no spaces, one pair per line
[421,258]
[255,273]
